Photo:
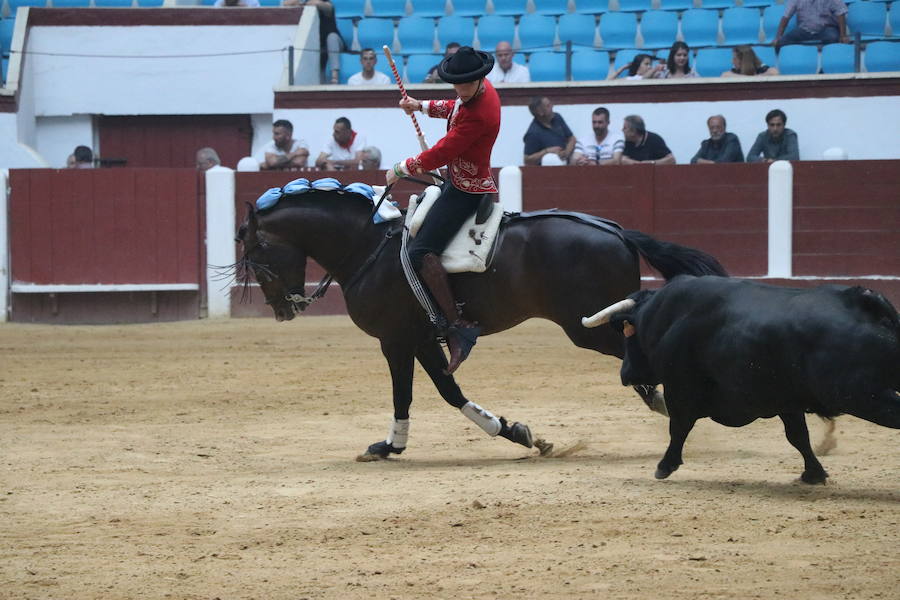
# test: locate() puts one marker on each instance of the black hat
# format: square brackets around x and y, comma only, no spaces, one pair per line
[465,65]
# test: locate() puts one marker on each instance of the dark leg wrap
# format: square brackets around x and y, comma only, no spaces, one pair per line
[517,432]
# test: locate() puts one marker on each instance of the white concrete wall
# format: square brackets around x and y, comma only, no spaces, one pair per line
[58,136]
[867,128]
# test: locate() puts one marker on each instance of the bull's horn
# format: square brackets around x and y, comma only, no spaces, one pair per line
[604,315]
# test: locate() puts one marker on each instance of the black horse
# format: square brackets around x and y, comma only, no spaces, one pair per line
[553,267]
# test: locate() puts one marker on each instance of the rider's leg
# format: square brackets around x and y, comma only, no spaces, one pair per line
[444,219]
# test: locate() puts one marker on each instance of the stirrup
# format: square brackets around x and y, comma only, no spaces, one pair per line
[461,338]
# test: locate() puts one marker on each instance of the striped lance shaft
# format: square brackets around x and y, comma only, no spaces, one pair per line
[387,53]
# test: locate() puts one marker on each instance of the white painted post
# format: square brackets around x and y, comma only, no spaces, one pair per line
[220,230]
[781,219]
[4,249]
[511,188]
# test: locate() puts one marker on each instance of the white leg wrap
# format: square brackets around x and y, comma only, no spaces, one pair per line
[399,433]
[483,418]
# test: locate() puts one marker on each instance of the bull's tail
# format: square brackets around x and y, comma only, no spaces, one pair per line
[673,259]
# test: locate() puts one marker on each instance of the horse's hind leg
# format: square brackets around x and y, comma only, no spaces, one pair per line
[399,356]
[432,359]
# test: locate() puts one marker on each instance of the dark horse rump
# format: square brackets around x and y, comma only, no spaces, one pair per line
[553,267]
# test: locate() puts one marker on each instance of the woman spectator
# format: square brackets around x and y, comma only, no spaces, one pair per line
[746,63]
[678,64]
[641,67]
[330,40]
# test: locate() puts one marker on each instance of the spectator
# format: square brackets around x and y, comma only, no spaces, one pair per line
[208,160]
[84,157]
[747,63]
[721,147]
[343,150]
[284,152]
[640,67]
[70,162]
[449,51]
[368,75]
[237,3]
[822,21]
[548,141]
[505,70]
[642,146]
[331,44]
[678,64]
[775,143]
[371,158]
[602,147]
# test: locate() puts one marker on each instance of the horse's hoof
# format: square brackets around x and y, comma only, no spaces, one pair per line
[517,432]
[814,477]
[378,451]
[663,471]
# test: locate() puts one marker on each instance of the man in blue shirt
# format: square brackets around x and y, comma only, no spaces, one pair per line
[548,141]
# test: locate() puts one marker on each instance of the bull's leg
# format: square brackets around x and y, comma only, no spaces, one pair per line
[679,428]
[798,435]
[432,359]
[400,361]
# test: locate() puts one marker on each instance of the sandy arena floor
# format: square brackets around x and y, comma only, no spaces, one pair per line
[216,460]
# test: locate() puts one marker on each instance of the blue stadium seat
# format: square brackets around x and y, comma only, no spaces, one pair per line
[429,8]
[535,32]
[150,3]
[894,19]
[14,4]
[591,7]
[7,26]
[112,3]
[838,58]
[882,56]
[676,4]
[388,8]
[634,5]
[469,8]
[71,3]
[375,33]
[418,66]
[270,3]
[550,7]
[798,59]
[416,35]
[741,26]
[345,28]
[547,66]
[590,65]
[349,66]
[868,19]
[4,69]
[456,29]
[495,28]
[758,3]
[700,27]
[659,28]
[716,4]
[510,8]
[712,62]
[618,30]
[579,29]
[766,54]
[772,17]
[349,8]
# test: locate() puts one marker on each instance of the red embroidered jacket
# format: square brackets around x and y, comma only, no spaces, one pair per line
[472,129]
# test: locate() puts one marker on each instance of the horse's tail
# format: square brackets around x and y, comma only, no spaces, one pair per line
[673,259]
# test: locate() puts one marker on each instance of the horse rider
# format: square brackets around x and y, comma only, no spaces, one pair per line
[473,122]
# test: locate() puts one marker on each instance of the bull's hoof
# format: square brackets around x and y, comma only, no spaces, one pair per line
[517,432]
[378,451]
[814,477]
[663,471]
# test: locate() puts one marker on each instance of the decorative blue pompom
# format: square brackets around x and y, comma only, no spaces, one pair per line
[326,184]
[363,189]
[269,199]
[297,186]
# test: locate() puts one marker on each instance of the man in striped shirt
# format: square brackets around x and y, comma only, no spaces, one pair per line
[604,147]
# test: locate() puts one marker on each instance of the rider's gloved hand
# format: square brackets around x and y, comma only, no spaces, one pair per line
[396,172]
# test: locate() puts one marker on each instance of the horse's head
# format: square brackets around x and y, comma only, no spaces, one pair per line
[277,265]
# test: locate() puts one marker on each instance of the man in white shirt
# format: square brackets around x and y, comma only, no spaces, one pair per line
[284,152]
[368,75]
[343,150]
[208,160]
[604,147]
[505,70]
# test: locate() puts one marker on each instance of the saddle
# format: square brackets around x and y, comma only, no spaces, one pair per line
[473,246]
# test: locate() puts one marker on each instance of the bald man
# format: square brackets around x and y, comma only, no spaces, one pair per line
[505,70]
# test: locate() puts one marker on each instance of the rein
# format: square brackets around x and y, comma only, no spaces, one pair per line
[299,301]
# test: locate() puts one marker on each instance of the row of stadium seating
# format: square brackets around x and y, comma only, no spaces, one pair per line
[9,7]
[477,8]
[657,29]
[591,65]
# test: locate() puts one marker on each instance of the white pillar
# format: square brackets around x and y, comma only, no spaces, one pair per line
[4,248]
[511,188]
[220,246]
[781,219]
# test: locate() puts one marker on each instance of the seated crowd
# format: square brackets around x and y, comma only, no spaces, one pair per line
[344,150]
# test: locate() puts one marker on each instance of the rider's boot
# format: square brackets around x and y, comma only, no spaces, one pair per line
[461,334]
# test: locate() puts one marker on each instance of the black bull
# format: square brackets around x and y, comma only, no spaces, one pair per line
[549,267]
[736,351]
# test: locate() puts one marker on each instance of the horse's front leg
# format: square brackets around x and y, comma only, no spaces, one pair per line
[432,359]
[399,356]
